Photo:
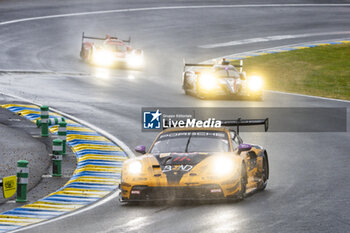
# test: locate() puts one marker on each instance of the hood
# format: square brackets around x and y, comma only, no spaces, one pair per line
[175,165]
[181,158]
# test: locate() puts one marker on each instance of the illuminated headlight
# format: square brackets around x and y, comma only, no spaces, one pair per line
[255,83]
[135,60]
[207,81]
[223,166]
[103,57]
[135,167]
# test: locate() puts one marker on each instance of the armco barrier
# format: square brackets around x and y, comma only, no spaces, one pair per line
[97,174]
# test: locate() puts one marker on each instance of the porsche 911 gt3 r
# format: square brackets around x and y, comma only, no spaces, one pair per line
[112,51]
[209,80]
[196,163]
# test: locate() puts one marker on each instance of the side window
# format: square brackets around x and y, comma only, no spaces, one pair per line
[234,140]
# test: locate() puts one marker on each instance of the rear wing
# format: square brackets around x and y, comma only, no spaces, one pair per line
[246,122]
[223,62]
[83,37]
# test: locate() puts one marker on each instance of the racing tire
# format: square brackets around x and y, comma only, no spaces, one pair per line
[120,199]
[86,55]
[243,183]
[265,172]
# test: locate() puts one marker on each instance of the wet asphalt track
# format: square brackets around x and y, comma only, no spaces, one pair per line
[307,191]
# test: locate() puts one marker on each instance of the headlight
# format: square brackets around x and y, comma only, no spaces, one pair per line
[255,83]
[135,60]
[135,167]
[223,166]
[207,81]
[103,57]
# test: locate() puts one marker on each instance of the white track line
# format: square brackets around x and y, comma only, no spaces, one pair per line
[6,71]
[309,96]
[270,38]
[166,8]
[277,48]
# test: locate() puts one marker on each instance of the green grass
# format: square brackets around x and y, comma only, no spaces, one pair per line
[319,71]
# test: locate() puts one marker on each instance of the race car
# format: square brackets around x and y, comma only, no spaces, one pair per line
[196,163]
[222,79]
[111,51]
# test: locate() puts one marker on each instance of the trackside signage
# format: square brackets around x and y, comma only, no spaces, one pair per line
[9,186]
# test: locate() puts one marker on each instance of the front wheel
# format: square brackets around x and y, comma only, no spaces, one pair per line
[265,172]
[86,55]
[243,183]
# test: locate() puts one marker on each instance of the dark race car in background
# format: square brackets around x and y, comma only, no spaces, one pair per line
[110,51]
[222,79]
[196,163]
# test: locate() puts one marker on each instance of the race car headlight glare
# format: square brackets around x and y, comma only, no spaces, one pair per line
[103,57]
[207,81]
[223,166]
[135,167]
[255,83]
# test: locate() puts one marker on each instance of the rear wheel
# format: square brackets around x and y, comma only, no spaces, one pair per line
[186,85]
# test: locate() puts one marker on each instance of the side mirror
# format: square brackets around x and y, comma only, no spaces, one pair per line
[140,149]
[244,147]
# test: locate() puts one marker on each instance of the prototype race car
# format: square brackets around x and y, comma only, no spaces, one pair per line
[112,51]
[223,79]
[196,163]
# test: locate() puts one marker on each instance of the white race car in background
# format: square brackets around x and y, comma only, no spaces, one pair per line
[223,79]
[110,51]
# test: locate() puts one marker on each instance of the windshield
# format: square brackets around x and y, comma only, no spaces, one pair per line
[115,47]
[223,73]
[191,141]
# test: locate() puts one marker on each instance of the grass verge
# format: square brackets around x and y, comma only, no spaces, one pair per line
[319,71]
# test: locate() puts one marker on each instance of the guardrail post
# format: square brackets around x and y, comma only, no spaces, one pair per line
[22,180]
[62,134]
[57,157]
[44,119]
